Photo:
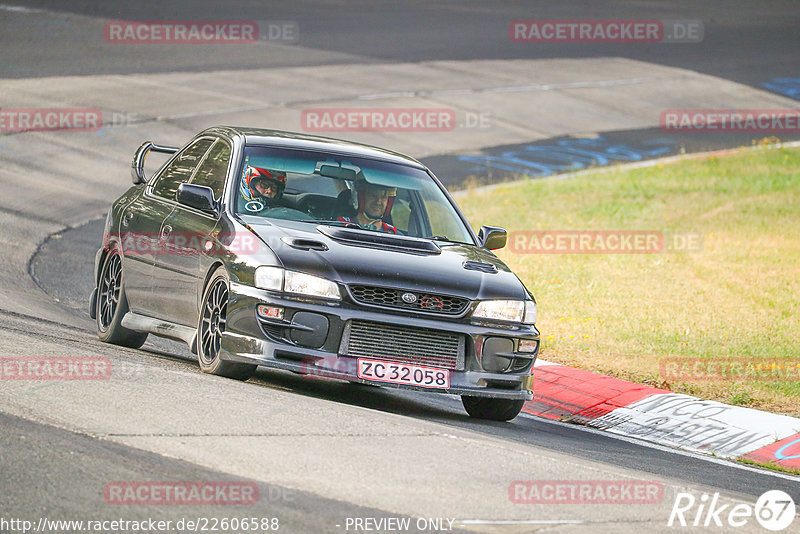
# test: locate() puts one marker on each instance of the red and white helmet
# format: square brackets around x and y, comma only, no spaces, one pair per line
[253,175]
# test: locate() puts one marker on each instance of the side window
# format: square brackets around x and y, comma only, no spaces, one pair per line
[180,170]
[214,169]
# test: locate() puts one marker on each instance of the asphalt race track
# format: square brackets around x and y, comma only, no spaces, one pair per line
[322,451]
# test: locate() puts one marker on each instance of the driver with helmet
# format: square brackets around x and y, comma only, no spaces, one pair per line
[262,188]
[374,207]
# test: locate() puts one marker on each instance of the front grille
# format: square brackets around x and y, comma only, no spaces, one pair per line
[362,339]
[422,301]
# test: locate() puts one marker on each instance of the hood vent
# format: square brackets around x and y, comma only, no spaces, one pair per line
[471,265]
[305,244]
[366,238]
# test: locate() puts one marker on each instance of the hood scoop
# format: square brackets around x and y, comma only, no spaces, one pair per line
[471,265]
[367,238]
[305,244]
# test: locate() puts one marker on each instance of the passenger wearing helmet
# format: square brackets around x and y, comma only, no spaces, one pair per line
[374,207]
[262,189]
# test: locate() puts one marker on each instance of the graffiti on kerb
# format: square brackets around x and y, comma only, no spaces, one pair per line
[781,454]
[568,155]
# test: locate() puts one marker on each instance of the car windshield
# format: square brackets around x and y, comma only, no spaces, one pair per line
[355,192]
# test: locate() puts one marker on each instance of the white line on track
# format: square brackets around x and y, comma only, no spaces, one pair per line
[515,522]
[380,96]
[509,89]
[19,9]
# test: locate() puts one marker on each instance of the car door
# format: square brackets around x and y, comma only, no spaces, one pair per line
[138,222]
[178,278]
[145,222]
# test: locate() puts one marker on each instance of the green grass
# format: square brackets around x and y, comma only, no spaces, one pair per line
[737,297]
[770,465]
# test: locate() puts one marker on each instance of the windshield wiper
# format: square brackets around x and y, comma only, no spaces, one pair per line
[438,238]
[444,239]
[333,222]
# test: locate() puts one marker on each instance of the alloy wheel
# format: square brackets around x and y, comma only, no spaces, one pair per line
[109,291]
[212,323]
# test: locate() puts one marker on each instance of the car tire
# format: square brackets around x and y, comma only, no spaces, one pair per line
[492,409]
[210,326]
[112,305]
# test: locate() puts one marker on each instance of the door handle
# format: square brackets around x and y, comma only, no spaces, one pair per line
[166,231]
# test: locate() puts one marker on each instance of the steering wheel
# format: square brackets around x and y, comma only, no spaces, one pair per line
[315,206]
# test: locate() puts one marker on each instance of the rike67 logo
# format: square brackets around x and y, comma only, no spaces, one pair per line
[774,510]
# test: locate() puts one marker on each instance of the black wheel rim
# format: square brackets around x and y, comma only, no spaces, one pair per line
[109,292]
[212,323]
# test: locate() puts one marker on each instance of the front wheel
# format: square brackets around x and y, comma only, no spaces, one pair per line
[492,409]
[208,343]
[112,305]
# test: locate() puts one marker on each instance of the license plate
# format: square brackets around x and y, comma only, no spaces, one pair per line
[401,373]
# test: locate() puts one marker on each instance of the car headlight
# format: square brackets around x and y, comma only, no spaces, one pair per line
[512,311]
[530,312]
[306,284]
[277,279]
[269,278]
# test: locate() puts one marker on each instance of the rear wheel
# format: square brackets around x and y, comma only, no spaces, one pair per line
[492,409]
[210,328]
[112,305]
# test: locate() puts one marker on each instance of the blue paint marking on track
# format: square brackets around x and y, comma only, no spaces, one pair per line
[786,86]
[779,454]
[569,155]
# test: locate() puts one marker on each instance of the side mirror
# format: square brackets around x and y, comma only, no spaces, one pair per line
[200,197]
[492,237]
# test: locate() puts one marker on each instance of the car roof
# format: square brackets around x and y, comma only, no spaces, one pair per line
[280,138]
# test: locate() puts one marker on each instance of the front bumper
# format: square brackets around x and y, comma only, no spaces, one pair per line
[309,341]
